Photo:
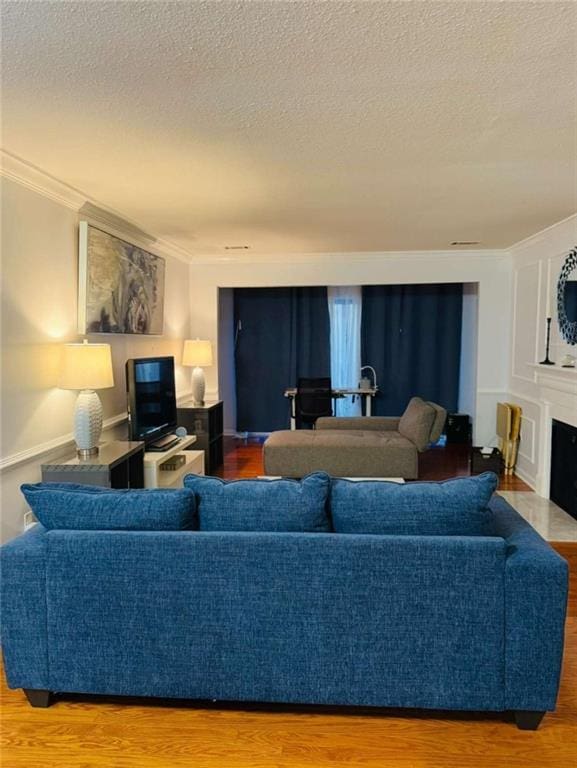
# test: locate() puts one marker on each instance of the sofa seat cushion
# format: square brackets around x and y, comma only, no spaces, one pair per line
[335,438]
[91,508]
[262,505]
[456,507]
[347,452]
[417,422]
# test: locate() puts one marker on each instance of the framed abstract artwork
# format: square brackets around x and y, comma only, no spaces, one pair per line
[120,286]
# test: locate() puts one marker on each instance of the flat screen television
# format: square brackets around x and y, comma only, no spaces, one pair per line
[151,398]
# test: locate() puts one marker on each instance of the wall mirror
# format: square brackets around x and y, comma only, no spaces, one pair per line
[567,298]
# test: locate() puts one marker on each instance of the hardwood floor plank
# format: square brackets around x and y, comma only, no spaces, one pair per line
[568,550]
[93,732]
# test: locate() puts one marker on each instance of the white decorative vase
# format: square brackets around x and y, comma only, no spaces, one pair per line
[198,386]
[87,422]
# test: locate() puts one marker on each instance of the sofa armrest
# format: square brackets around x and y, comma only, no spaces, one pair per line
[24,618]
[377,423]
[536,587]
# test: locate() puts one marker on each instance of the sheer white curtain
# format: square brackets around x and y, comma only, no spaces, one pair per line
[345,307]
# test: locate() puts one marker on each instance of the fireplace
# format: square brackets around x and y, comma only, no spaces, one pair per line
[563,490]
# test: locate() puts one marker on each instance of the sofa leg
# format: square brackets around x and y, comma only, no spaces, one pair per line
[528,720]
[38,698]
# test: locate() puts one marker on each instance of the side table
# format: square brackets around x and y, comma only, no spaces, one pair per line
[206,423]
[118,464]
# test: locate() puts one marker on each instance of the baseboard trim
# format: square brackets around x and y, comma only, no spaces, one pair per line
[531,481]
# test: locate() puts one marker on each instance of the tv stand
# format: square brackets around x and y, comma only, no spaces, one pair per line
[154,477]
[163,444]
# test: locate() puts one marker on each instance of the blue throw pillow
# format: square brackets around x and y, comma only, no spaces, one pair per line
[456,507]
[90,508]
[262,505]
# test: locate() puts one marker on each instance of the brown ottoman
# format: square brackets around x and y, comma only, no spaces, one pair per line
[346,453]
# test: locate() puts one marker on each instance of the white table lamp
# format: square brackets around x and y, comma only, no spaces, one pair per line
[197,353]
[87,367]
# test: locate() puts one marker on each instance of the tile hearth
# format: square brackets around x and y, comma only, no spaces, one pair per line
[553,523]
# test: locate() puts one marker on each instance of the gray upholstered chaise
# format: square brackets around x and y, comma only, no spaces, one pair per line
[371,446]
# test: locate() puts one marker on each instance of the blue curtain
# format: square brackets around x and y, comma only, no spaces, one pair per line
[281,334]
[411,335]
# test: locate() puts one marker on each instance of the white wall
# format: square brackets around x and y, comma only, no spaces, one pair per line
[536,263]
[490,270]
[39,285]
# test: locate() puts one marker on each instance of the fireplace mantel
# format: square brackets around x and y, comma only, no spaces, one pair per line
[558,397]
[555,377]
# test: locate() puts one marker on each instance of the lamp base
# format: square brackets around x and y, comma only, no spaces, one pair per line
[87,423]
[87,453]
[198,386]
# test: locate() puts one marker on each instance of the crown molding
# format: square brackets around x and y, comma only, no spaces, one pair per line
[37,180]
[345,257]
[33,178]
[536,236]
[171,249]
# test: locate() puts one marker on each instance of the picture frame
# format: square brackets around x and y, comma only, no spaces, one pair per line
[120,285]
[567,298]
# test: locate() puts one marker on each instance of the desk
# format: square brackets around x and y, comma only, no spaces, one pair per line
[366,394]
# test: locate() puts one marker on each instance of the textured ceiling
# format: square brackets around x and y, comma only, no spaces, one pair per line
[302,126]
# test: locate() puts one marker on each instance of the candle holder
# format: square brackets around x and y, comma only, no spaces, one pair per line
[546,361]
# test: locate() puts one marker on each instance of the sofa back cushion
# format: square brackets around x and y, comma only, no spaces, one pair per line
[91,508]
[438,423]
[417,422]
[456,507]
[262,505]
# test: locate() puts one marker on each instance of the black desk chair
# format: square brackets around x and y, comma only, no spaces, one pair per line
[313,400]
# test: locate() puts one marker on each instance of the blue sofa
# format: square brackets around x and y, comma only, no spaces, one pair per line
[438,622]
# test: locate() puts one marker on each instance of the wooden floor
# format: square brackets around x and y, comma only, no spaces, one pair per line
[91,732]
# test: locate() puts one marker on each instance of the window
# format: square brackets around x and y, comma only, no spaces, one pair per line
[345,310]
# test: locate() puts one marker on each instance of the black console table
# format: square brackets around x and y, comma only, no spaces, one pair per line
[118,464]
[206,422]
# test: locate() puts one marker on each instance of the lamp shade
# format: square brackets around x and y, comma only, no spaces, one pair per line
[197,353]
[86,366]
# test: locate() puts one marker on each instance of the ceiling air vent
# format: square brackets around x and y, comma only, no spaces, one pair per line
[236,247]
[466,242]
